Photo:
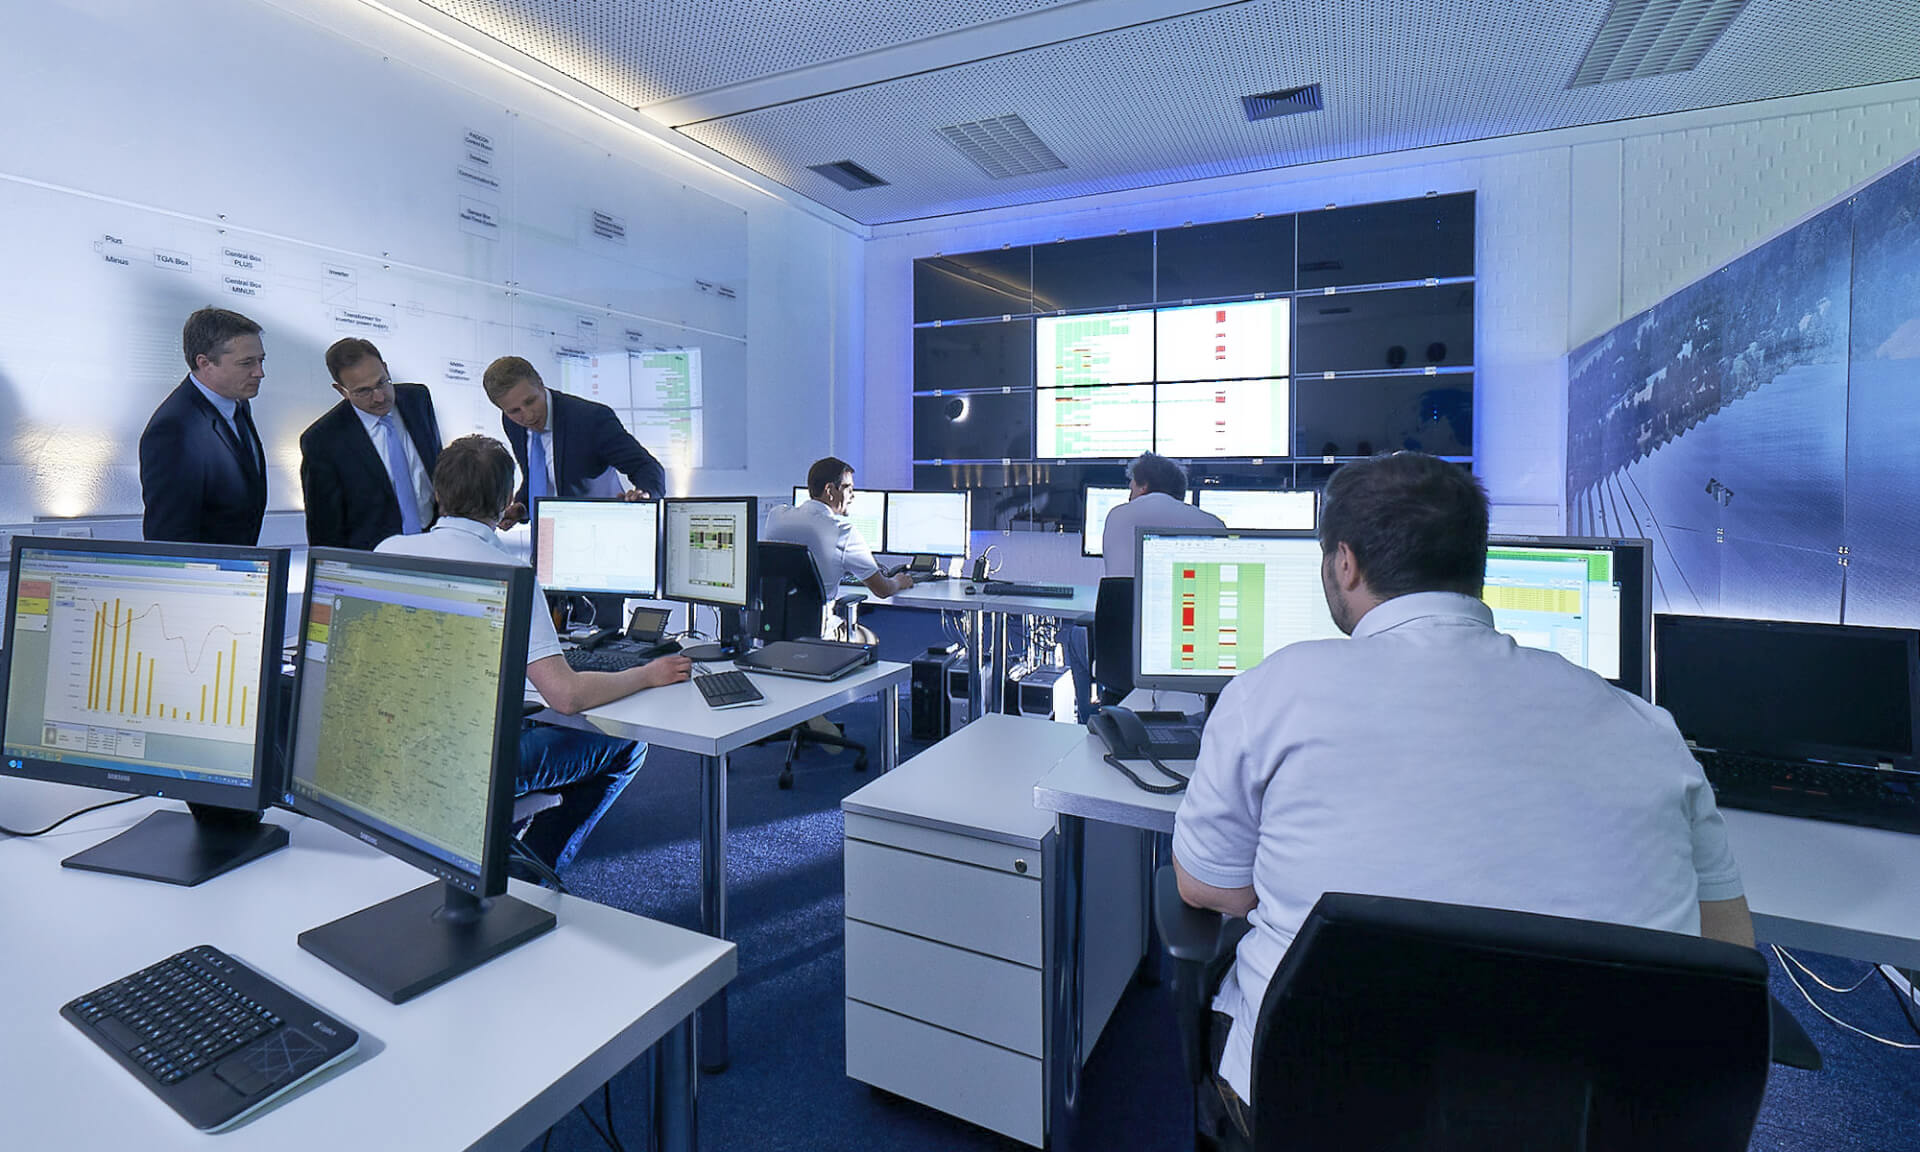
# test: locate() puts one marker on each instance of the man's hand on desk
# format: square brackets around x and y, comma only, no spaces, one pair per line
[514,514]
[665,670]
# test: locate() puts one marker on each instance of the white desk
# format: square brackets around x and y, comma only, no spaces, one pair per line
[1831,888]
[676,716]
[987,627]
[489,1060]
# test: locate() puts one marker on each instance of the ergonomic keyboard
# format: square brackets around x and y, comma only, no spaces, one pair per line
[1016,588]
[604,659]
[727,689]
[1843,793]
[210,1036]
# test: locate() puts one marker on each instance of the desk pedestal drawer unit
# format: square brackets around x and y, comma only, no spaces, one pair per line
[950,891]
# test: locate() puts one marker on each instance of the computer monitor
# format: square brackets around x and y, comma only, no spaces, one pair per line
[1095,502]
[1224,341]
[708,556]
[1208,605]
[406,735]
[1588,598]
[1104,348]
[1194,419]
[1103,421]
[1261,508]
[597,546]
[928,523]
[151,669]
[868,511]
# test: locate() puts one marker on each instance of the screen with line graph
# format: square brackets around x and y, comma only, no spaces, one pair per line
[147,660]
[597,546]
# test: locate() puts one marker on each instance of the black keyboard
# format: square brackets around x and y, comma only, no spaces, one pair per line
[1839,792]
[727,689]
[209,1035]
[604,659]
[1015,588]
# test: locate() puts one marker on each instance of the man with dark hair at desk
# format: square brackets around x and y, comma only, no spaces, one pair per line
[474,482]
[367,465]
[1431,757]
[822,525]
[203,471]
[563,443]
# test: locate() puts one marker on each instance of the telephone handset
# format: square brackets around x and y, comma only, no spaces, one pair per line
[1127,738]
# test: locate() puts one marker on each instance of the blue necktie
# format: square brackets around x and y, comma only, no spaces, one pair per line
[537,486]
[402,478]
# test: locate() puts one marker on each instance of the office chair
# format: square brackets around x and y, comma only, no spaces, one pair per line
[793,606]
[1406,1024]
[1113,638]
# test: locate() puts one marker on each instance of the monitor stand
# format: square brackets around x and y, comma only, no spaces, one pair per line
[184,848]
[735,639]
[419,940]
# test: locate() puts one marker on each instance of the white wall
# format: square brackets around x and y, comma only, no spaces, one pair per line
[322,134]
[1577,230]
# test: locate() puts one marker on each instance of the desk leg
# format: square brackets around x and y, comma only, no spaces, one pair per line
[993,627]
[1068,946]
[676,1121]
[976,656]
[713,901]
[890,726]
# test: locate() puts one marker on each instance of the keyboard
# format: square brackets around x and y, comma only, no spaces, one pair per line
[210,1036]
[609,659]
[1842,793]
[727,689]
[1015,588]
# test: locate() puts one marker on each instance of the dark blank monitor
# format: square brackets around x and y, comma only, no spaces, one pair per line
[1789,690]
[406,736]
[928,523]
[1588,598]
[708,554]
[1261,508]
[597,546]
[150,669]
[1209,605]
[1095,502]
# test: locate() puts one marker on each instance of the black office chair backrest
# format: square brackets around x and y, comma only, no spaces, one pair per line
[792,598]
[1113,635]
[1404,1024]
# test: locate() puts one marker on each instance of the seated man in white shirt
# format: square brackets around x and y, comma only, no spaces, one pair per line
[822,525]
[473,483]
[1156,499]
[1431,757]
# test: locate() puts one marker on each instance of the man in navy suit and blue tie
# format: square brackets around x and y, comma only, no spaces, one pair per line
[203,470]
[563,443]
[366,466]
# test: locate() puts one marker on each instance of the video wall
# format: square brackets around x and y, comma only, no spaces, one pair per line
[1262,352]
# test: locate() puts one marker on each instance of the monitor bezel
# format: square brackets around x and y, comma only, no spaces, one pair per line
[750,575]
[491,879]
[1314,493]
[533,553]
[966,522]
[268,765]
[1206,684]
[1636,659]
[1086,519]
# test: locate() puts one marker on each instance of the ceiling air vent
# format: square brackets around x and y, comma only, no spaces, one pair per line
[1642,38]
[848,175]
[1285,102]
[1003,146]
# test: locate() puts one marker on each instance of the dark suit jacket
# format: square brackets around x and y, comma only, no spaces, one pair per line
[197,483]
[587,440]
[350,500]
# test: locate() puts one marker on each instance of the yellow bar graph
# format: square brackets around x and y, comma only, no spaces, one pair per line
[93,665]
[137,657]
[210,717]
[126,657]
[203,702]
[113,653]
[243,703]
[233,657]
[149,687]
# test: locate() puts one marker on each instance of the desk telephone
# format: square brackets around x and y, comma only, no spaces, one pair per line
[1152,737]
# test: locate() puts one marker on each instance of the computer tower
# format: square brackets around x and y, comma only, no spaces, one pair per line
[1046,693]
[957,711]
[929,715]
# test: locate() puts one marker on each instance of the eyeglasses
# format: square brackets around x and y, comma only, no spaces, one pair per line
[369,391]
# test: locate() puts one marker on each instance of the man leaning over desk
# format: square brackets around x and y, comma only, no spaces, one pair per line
[563,443]
[1431,757]
[474,482]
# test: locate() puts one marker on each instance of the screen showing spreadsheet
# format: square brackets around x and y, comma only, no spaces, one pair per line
[1224,341]
[1106,348]
[1589,599]
[1106,420]
[1194,419]
[707,551]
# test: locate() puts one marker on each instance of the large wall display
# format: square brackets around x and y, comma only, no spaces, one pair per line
[1759,426]
[1261,351]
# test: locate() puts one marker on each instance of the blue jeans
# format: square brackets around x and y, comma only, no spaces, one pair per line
[1080,666]
[587,769]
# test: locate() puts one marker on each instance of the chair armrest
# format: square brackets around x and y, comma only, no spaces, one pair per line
[1791,1044]
[1192,935]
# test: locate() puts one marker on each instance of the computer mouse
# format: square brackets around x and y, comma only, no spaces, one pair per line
[971,590]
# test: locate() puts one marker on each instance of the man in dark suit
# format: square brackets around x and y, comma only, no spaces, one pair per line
[571,440]
[203,471]
[367,465]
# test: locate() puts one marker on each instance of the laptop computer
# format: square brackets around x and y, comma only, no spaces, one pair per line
[807,659]
[1813,720]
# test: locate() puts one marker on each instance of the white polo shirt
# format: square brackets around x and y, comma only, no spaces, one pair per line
[1153,510]
[837,546]
[1431,757]
[451,538]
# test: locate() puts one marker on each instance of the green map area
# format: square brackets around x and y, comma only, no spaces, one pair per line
[1228,607]
[407,719]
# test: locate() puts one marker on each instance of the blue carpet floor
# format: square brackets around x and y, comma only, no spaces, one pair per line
[787,1089]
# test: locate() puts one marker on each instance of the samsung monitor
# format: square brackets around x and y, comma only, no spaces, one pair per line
[1209,605]
[1196,419]
[928,523]
[151,669]
[1588,598]
[1095,502]
[1261,508]
[1104,421]
[406,736]
[597,546]
[1251,339]
[708,555]
[867,510]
